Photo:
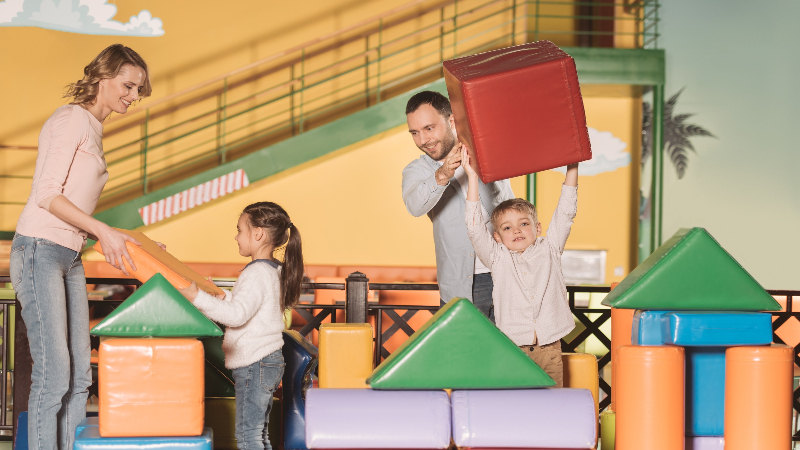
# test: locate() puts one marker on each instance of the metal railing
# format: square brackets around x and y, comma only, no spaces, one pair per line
[335,75]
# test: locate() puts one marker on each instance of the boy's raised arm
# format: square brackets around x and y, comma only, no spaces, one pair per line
[561,224]
[482,241]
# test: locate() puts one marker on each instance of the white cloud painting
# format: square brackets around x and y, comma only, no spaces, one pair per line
[77,16]
[608,154]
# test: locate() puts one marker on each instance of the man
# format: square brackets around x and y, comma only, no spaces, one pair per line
[436,185]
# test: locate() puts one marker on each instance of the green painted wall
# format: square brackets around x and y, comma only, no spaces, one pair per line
[738,61]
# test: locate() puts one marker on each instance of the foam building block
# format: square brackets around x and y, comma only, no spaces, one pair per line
[345,355]
[221,419]
[646,328]
[93,421]
[21,434]
[219,379]
[690,271]
[90,439]
[156,309]
[758,397]
[458,348]
[650,401]
[710,329]
[529,418]
[151,259]
[608,429]
[580,372]
[705,443]
[621,326]
[151,387]
[301,360]
[365,418]
[705,391]
[518,109]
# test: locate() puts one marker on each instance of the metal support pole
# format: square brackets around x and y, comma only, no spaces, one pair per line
[531,188]
[355,305]
[657,159]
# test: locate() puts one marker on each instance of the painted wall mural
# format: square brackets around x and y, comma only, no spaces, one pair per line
[608,154]
[77,16]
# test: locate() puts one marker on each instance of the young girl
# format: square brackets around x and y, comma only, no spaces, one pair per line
[253,315]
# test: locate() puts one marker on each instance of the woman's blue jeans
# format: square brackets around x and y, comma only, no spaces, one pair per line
[255,385]
[51,287]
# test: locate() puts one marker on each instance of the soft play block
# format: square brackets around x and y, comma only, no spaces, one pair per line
[705,443]
[705,391]
[151,259]
[580,371]
[345,355]
[646,328]
[21,435]
[621,325]
[691,271]
[524,418]
[87,422]
[90,439]
[365,418]
[608,429]
[650,398]
[156,309]
[221,418]
[518,109]
[758,397]
[708,329]
[458,348]
[151,387]
[219,379]
[301,361]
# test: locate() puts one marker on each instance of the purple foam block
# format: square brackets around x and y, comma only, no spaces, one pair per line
[364,418]
[524,418]
[705,443]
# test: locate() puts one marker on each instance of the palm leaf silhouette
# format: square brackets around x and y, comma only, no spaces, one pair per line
[677,134]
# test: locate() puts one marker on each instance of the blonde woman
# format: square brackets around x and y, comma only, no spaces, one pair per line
[46,268]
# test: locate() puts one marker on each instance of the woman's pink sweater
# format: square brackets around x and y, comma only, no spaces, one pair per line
[70,163]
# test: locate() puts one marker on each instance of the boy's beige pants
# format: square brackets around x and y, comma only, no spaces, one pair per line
[548,357]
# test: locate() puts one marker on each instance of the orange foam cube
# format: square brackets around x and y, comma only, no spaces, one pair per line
[151,259]
[151,387]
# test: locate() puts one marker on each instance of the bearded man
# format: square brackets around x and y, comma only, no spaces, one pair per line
[436,185]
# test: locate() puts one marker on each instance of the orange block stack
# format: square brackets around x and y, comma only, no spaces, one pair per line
[151,365]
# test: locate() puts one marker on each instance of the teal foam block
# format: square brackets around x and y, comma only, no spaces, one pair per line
[647,329]
[90,439]
[705,391]
[712,329]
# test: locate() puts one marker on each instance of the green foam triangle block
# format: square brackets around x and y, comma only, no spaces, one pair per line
[691,271]
[458,348]
[156,309]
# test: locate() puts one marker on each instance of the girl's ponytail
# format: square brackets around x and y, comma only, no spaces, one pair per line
[275,220]
[292,272]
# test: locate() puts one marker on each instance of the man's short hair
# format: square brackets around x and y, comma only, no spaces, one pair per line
[518,204]
[438,101]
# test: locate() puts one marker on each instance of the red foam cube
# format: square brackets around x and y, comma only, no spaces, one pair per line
[518,109]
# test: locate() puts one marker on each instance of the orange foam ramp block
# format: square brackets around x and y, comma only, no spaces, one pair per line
[621,326]
[151,387]
[345,355]
[758,397]
[151,259]
[580,371]
[650,398]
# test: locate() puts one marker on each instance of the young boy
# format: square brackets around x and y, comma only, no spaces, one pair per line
[530,297]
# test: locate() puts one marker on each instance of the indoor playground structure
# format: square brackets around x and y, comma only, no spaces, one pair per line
[682,352]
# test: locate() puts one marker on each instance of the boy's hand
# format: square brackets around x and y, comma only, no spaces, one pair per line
[449,166]
[190,292]
[466,162]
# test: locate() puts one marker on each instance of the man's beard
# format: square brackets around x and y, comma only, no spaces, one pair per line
[448,143]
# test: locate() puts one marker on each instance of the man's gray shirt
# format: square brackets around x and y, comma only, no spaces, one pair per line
[455,257]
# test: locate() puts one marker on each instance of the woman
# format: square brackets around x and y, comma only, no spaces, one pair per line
[46,268]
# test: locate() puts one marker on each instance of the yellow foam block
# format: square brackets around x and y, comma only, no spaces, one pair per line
[580,371]
[345,355]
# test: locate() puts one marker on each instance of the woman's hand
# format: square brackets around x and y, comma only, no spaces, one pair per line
[114,248]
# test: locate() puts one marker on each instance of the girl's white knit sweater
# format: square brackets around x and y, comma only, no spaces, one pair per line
[251,314]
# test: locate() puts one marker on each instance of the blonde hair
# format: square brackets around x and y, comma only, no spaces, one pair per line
[518,204]
[106,65]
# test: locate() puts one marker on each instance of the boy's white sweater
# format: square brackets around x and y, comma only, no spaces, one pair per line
[251,314]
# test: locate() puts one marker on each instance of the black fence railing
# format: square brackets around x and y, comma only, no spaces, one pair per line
[358,309]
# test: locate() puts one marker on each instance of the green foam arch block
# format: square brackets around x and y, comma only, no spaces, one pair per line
[691,271]
[458,348]
[156,309]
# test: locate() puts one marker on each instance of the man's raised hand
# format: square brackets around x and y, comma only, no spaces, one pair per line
[451,162]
